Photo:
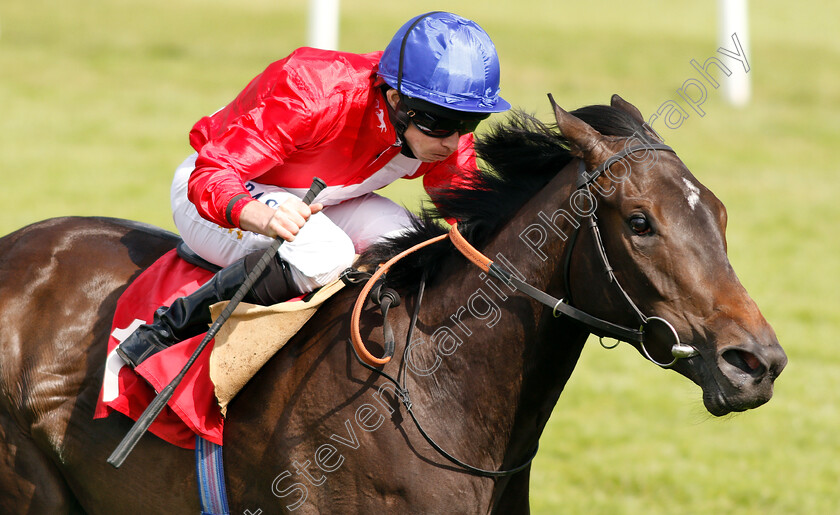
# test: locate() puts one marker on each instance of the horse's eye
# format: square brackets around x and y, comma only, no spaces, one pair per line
[639,224]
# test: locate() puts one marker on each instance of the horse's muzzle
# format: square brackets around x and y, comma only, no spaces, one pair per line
[744,377]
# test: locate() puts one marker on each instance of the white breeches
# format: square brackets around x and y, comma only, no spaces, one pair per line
[323,248]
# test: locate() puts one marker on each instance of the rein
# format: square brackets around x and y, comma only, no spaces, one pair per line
[401,389]
[386,298]
[560,307]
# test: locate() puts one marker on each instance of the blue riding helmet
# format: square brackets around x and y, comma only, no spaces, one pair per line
[446,60]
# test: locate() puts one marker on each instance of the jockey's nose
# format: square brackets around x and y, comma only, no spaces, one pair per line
[451,142]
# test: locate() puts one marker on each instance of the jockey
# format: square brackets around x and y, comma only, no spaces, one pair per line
[359,122]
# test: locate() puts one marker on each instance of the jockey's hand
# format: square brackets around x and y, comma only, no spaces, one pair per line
[284,221]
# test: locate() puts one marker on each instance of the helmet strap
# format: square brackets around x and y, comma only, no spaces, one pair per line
[400,119]
[401,112]
[402,48]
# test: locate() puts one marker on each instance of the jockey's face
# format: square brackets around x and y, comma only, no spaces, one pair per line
[426,148]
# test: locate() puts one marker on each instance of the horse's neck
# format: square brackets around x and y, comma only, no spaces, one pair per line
[534,240]
[487,353]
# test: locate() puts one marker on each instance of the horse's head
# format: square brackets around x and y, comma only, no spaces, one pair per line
[664,234]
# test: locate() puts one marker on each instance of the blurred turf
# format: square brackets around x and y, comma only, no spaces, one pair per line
[97,99]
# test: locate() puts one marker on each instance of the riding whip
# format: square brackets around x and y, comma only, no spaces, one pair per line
[156,406]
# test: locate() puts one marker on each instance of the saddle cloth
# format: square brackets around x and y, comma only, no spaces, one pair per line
[253,334]
[244,344]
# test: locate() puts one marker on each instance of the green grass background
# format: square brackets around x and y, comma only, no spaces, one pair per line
[97,98]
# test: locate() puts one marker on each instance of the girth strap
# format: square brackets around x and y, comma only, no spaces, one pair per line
[211,477]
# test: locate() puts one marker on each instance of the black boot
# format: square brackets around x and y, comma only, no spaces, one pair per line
[190,316]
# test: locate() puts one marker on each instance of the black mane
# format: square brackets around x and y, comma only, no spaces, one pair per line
[519,157]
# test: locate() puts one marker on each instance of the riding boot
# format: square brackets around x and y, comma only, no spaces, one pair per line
[190,315]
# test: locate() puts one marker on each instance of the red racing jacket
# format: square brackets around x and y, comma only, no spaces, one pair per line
[315,113]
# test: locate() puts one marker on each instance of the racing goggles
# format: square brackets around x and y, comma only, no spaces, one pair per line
[439,127]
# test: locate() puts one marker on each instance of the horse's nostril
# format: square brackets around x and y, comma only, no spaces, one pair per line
[745,361]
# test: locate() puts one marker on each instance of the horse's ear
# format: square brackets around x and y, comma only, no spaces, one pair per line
[619,103]
[586,142]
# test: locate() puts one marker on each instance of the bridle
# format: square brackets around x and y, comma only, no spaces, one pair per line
[563,307]
[584,181]
[560,307]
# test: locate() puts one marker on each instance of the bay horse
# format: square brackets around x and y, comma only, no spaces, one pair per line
[316,432]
